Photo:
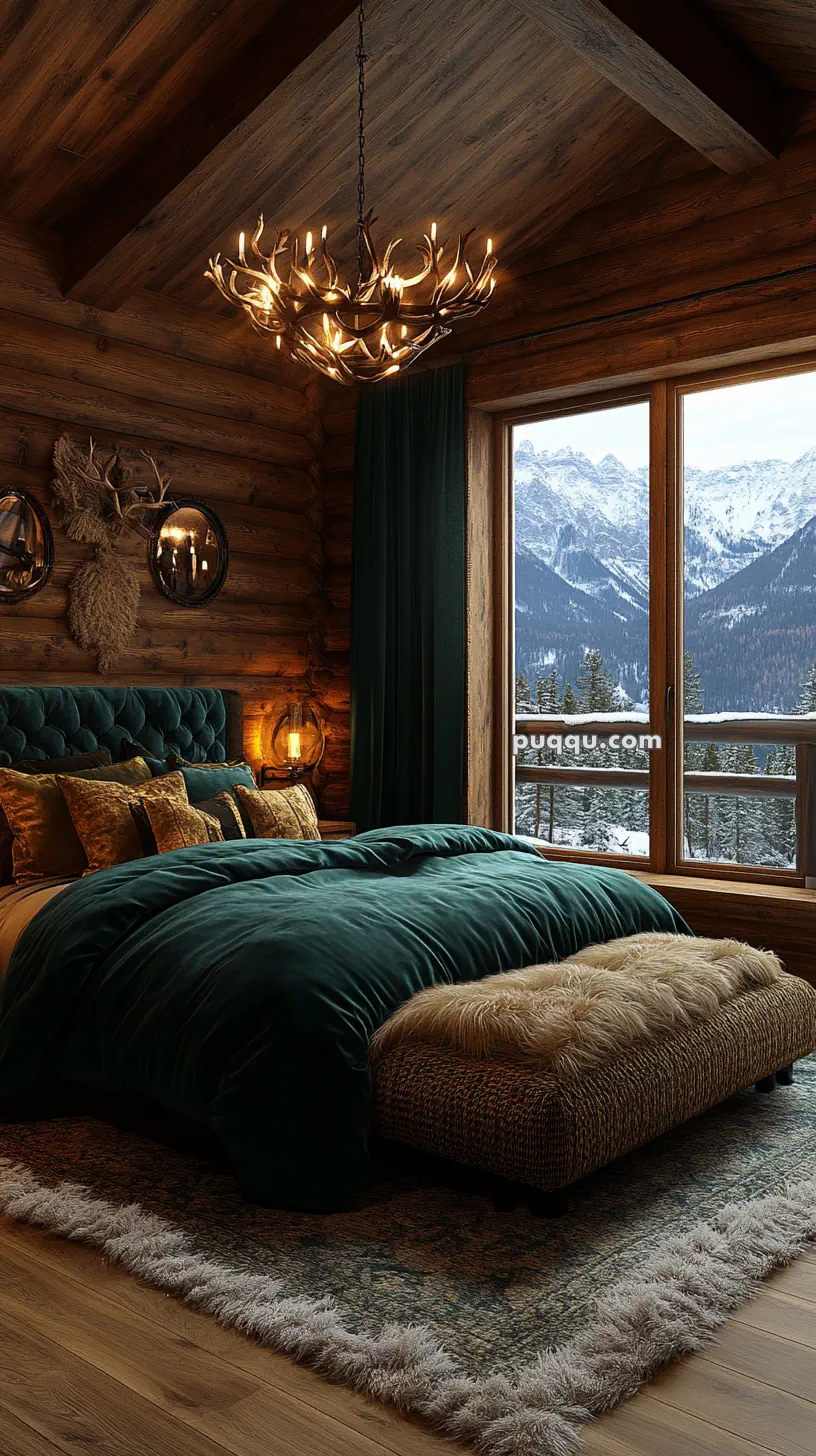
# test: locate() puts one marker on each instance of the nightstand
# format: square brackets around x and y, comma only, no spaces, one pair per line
[336,829]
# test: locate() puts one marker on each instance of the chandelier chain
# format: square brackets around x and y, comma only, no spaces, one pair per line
[361,63]
[363,329]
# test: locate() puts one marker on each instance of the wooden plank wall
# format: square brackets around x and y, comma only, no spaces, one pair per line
[229,423]
[702,268]
[338,493]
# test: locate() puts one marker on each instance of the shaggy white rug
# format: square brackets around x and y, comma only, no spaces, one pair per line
[499,1329]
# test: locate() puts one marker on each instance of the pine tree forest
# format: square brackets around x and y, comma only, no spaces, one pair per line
[729,828]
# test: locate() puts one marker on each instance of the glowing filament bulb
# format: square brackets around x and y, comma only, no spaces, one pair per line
[490,245]
[277,341]
[433,232]
[308,244]
[324,233]
[403,331]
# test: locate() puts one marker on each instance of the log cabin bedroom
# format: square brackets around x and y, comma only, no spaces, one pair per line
[408,728]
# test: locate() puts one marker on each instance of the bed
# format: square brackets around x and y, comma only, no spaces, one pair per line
[238,985]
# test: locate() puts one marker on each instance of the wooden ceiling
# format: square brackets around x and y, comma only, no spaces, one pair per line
[148,132]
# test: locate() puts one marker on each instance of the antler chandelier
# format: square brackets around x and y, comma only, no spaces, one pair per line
[363,331]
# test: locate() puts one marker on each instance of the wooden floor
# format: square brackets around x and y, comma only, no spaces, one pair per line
[92,1361]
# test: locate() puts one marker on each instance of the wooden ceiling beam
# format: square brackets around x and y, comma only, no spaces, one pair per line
[109,244]
[687,74]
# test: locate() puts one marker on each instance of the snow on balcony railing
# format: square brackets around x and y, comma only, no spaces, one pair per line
[730,727]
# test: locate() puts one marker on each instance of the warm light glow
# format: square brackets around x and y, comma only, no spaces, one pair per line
[293,747]
[173,534]
[324,234]
[345,329]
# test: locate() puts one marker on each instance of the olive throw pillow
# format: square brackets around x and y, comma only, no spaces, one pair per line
[45,844]
[96,758]
[102,819]
[74,763]
[280,813]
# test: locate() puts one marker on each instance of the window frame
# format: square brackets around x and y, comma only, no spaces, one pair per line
[665,397]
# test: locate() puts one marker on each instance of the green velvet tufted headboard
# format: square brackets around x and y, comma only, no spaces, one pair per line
[200,724]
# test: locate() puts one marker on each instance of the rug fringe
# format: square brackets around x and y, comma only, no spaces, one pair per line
[674,1306]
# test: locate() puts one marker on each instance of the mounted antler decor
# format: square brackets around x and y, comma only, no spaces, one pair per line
[96,505]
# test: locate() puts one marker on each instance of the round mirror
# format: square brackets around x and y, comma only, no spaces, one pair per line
[188,553]
[26,545]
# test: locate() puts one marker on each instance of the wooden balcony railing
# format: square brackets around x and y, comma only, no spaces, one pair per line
[799,730]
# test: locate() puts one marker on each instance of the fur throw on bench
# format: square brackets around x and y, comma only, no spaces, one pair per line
[583,1011]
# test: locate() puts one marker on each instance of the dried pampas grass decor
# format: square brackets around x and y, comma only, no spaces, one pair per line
[96,505]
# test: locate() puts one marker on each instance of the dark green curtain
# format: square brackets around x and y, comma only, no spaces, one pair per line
[408,628]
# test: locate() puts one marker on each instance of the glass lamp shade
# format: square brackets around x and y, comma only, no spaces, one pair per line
[293,743]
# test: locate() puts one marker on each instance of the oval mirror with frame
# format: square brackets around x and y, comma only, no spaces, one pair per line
[26,545]
[188,552]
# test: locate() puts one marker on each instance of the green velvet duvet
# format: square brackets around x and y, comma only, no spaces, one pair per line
[239,984]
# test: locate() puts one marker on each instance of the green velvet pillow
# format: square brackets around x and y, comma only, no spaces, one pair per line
[205,780]
[224,808]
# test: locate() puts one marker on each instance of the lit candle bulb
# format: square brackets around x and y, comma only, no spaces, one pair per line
[293,746]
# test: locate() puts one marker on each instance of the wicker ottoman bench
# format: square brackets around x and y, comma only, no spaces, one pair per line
[541,1126]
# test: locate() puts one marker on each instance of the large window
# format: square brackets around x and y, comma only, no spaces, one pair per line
[664,660]
[581,493]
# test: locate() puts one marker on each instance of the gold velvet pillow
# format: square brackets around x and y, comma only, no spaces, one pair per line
[44,840]
[102,818]
[179,826]
[279,813]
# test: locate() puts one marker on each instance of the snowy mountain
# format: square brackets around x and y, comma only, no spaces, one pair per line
[607,504]
[751,635]
[582,571]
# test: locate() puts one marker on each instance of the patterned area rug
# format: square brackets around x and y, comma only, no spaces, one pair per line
[500,1328]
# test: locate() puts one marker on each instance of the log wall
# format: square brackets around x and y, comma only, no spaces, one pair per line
[702,269]
[228,423]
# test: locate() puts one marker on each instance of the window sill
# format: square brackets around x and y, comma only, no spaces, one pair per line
[781,918]
[735,890]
